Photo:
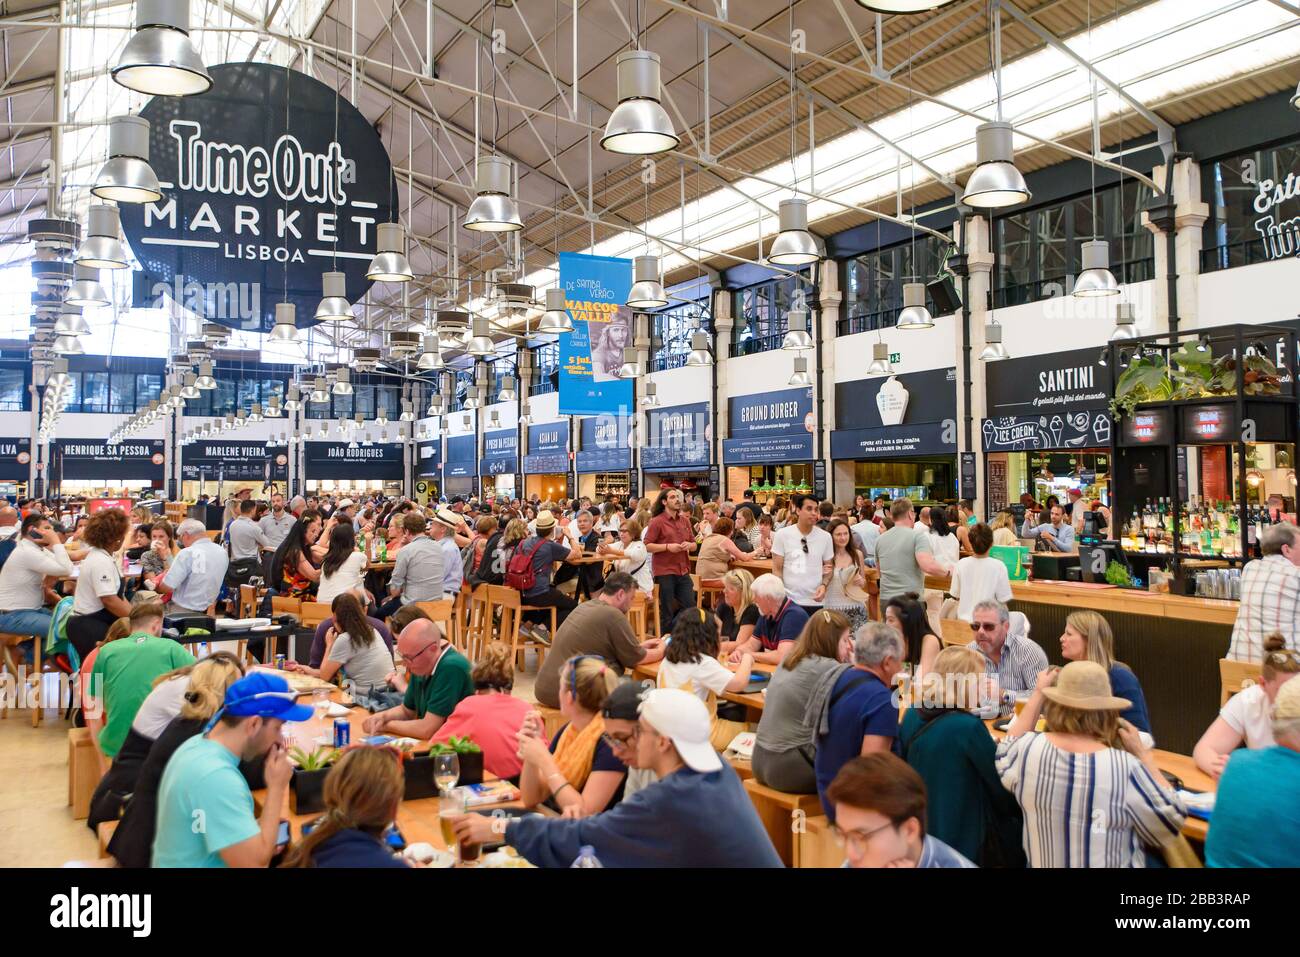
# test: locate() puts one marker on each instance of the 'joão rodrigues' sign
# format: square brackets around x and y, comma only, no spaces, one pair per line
[260,196]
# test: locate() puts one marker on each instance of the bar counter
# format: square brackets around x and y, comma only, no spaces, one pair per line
[1173,643]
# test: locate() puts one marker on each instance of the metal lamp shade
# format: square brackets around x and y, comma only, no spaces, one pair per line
[480,343]
[639,125]
[318,391]
[127,177]
[800,376]
[629,369]
[494,209]
[342,381]
[86,289]
[903,6]
[797,338]
[555,319]
[651,398]
[68,346]
[700,354]
[879,359]
[390,263]
[431,358]
[286,322]
[507,393]
[292,399]
[647,291]
[996,182]
[160,59]
[793,245]
[993,348]
[71,322]
[915,315]
[102,249]
[1125,323]
[1096,279]
[205,380]
[334,297]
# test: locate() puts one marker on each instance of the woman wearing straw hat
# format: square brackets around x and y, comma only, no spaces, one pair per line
[1090,791]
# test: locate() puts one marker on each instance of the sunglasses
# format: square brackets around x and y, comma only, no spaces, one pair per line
[805,545]
[989,626]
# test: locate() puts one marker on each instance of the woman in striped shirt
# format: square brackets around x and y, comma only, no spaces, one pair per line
[1091,793]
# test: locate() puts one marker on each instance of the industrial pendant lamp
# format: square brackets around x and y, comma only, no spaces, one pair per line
[879,359]
[480,343]
[86,289]
[796,337]
[453,328]
[647,291]
[494,209]
[256,414]
[700,355]
[507,393]
[292,399]
[127,177]
[995,183]
[319,393]
[431,357]
[471,397]
[555,319]
[1096,278]
[160,59]
[915,315]
[903,6]
[525,414]
[68,346]
[190,389]
[102,249]
[342,381]
[800,376]
[334,297]
[71,322]
[272,410]
[381,420]
[286,322]
[651,398]
[794,245]
[993,348]
[629,368]
[205,380]
[639,125]
[435,405]
[1126,326]
[390,263]
[1295,98]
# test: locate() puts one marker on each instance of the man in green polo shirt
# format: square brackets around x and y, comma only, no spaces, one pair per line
[439,680]
[125,670]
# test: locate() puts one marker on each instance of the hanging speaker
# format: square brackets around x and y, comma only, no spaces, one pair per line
[944,296]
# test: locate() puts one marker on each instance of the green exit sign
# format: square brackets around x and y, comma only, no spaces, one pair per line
[895,357]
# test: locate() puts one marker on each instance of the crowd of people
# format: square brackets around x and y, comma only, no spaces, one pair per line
[844,620]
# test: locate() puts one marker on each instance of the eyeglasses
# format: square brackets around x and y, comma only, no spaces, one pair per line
[432,644]
[622,740]
[856,840]
[989,626]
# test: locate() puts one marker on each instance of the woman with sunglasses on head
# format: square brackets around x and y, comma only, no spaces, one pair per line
[578,772]
[848,573]
[1246,718]
[907,616]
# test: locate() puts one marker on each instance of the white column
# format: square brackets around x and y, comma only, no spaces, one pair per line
[829,299]
[979,262]
[723,323]
[1190,214]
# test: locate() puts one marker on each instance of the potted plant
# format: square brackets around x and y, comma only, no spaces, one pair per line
[468,754]
[307,783]
[418,771]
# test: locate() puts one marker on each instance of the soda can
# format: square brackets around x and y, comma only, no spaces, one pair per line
[280,660]
[342,732]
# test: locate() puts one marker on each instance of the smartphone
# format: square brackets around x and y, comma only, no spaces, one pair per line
[394,839]
[282,838]
[36,535]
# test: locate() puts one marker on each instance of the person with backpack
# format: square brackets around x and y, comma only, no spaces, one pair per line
[529,573]
[27,559]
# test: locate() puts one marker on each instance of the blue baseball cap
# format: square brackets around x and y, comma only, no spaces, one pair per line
[264,695]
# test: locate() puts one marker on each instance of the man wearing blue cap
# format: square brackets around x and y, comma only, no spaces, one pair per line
[205,810]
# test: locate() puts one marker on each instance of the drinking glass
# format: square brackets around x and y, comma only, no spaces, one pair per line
[446,771]
[320,700]
[449,808]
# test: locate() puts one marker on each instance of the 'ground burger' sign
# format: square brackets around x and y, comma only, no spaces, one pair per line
[261,195]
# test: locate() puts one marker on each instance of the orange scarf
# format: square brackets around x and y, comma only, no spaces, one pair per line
[575,750]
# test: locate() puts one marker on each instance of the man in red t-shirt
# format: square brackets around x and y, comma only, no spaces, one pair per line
[669,539]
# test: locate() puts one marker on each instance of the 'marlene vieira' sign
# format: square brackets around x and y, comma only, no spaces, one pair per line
[261,195]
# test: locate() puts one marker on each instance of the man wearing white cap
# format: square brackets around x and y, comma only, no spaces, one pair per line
[696,815]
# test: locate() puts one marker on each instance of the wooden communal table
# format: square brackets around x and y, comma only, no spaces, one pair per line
[753,702]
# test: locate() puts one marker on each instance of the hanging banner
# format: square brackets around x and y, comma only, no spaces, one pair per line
[548,449]
[334,460]
[261,195]
[596,288]
[500,453]
[97,461]
[429,458]
[1055,382]
[604,444]
[770,427]
[678,439]
[15,459]
[234,462]
[462,452]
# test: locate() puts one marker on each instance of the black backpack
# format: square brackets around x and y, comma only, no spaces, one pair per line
[7,548]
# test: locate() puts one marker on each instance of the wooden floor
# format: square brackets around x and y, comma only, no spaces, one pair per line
[36,825]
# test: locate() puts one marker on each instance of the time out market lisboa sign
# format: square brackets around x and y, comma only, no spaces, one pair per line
[269,179]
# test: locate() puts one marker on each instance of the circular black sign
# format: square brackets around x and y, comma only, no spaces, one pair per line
[260,197]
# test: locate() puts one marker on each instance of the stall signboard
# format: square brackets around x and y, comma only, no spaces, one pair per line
[95,460]
[967,476]
[903,415]
[548,449]
[15,459]
[500,452]
[1146,427]
[1209,424]
[335,460]
[1051,384]
[259,198]
[604,444]
[235,462]
[1064,431]
[770,427]
[678,439]
[595,290]
[429,458]
[462,457]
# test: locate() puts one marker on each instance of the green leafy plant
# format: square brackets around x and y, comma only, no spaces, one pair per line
[1117,574]
[455,745]
[316,760]
[1146,379]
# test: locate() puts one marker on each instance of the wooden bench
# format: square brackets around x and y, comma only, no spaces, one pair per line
[778,812]
[83,772]
[815,844]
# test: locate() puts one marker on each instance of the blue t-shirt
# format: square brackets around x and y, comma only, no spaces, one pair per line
[1124,684]
[354,848]
[602,760]
[547,555]
[867,707]
[204,806]
[1256,819]
[786,626]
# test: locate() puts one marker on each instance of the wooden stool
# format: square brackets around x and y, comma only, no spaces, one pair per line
[1236,676]
[8,643]
[815,844]
[778,811]
[313,613]
[710,587]
[512,613]
[638,615]
[83,772]
[478,624]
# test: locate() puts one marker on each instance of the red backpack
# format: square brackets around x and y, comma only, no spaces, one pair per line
[520,573]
